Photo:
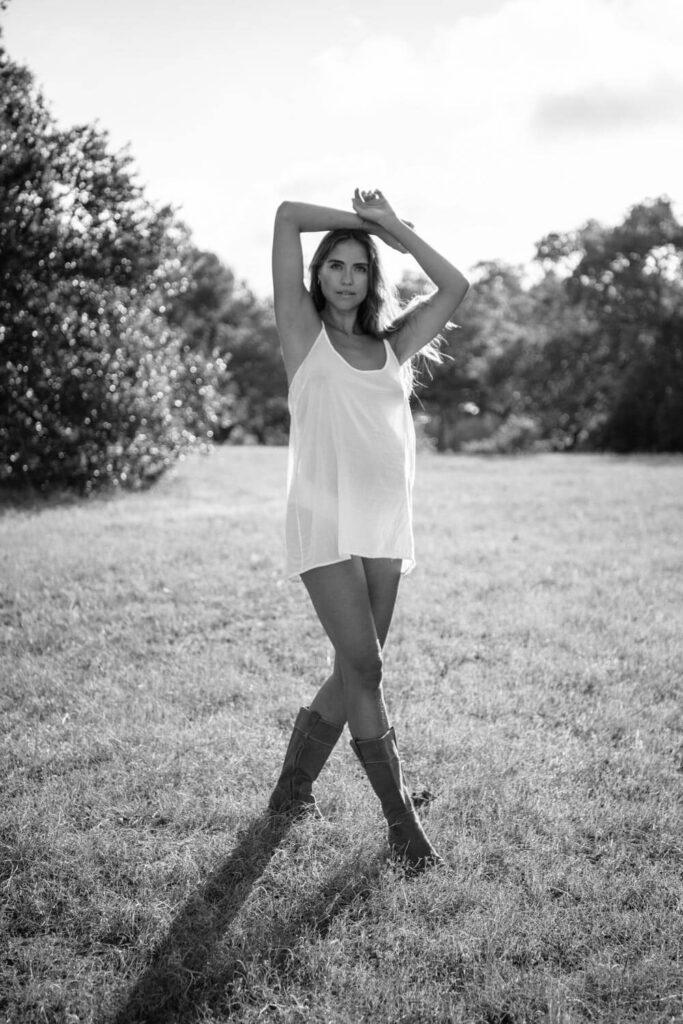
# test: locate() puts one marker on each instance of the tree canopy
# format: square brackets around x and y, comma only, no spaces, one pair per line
[217,313]
[96,384]
[620,326]
[591,352]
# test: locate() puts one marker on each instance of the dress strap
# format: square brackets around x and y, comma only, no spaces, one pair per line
[297,373]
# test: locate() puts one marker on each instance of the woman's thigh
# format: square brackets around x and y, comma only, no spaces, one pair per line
[383,576]
[354,601]
[340,596]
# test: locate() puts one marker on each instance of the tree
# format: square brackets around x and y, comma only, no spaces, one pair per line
[95,385]
[624,286]
[559,381]
[217,313]
[477,377]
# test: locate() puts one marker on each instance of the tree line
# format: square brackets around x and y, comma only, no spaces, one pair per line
[590,355]
[123,344]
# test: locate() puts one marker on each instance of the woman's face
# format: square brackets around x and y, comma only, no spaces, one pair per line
[344,275]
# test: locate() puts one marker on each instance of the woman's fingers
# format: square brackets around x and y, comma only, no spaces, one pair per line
[368,195]
[372,205]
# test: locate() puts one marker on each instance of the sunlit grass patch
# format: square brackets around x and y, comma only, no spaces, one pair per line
[153,662]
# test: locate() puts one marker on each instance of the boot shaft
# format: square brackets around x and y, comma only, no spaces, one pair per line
[382,764]
[380,758]
[309,747]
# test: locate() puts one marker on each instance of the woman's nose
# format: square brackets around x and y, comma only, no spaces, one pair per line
[346,275]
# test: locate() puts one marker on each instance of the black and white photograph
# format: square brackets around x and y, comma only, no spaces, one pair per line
[341,512]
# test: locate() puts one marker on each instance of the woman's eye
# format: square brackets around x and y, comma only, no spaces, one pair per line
[361,269]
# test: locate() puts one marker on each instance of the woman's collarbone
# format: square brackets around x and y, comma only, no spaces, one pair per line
[365,353]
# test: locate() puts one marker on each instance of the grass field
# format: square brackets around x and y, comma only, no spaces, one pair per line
[153,661]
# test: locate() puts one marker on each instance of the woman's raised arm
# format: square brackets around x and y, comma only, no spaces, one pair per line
[298,322]
[451,286]
[291,219]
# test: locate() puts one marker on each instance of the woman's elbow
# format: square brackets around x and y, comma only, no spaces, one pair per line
[459,288]
[284,210]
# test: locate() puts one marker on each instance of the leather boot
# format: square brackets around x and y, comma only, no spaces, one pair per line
[309,747]
[407,840]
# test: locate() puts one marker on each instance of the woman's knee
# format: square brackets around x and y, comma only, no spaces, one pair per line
[364,668]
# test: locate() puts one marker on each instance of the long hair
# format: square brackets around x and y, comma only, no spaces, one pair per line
[380,313]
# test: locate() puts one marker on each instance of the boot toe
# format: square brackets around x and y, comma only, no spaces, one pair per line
[415,863]
[409,844]
[294,808]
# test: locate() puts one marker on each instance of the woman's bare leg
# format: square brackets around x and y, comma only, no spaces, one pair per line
[354,601]
[330,701]
[383,580]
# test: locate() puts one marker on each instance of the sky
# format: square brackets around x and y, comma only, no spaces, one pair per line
[488,123]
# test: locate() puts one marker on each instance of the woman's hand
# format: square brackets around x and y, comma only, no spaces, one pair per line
[373,206]
[378,215]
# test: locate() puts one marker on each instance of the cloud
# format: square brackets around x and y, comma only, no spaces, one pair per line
[501,88]
[490,129]
[597,109]
[487,130]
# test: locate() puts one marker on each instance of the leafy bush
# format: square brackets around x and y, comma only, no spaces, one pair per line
[95,385]
[112,398]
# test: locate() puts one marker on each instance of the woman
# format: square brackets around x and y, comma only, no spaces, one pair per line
[351,465]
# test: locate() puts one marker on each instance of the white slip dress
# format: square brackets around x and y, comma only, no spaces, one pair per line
[351,462]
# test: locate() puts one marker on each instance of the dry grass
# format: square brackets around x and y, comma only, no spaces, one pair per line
[153,661]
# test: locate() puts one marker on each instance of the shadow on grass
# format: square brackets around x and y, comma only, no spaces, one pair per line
[272,956]
[181,975]
[34,501]
[178,965]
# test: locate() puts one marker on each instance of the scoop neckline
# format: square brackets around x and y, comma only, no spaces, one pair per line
[347,363]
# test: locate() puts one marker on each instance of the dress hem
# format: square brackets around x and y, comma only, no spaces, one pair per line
[295,574]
